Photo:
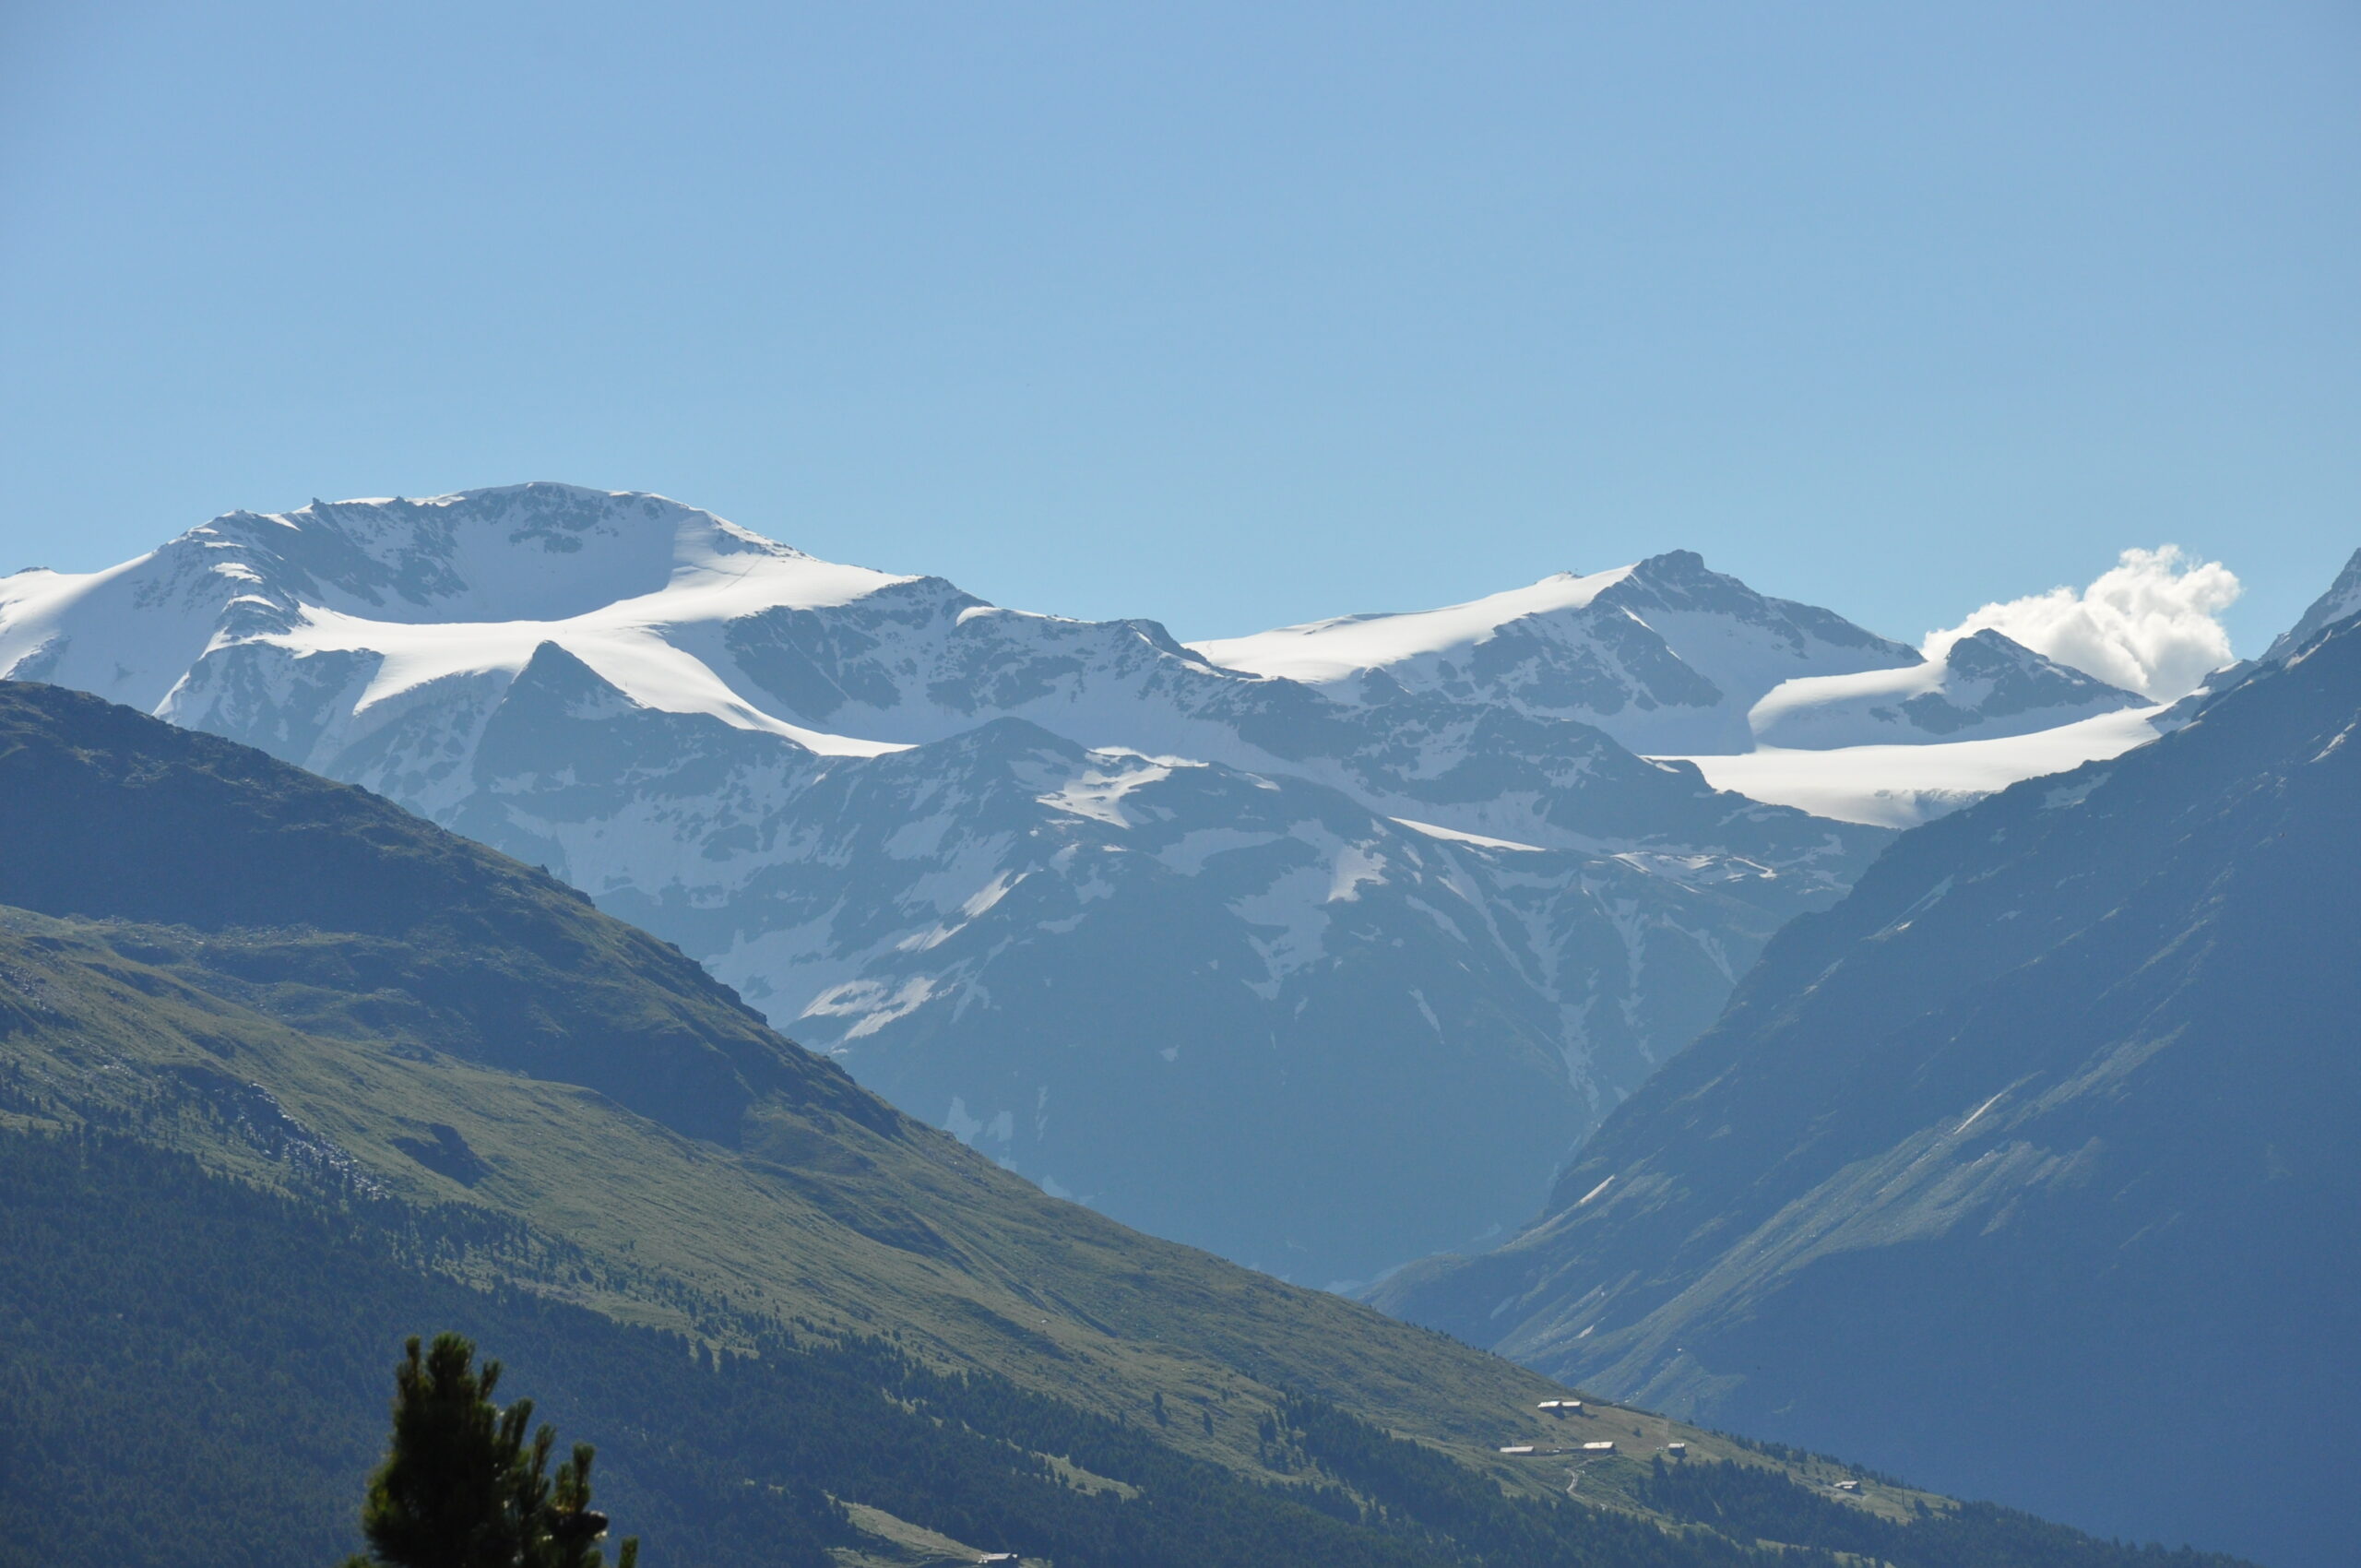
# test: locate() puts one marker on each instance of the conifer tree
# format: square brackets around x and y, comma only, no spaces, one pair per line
[462,1487]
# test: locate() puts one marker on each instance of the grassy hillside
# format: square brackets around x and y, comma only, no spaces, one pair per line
[288,1073]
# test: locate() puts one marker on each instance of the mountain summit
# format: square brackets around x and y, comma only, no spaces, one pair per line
[1778,700]
[1207,947]
[2055,1109]
[1666,656]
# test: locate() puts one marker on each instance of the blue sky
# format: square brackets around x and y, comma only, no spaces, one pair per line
[1226,314]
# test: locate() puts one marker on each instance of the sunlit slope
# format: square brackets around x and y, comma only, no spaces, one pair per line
[378,978]
[453,1066]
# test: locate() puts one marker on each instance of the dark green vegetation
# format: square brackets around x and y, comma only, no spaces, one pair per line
[462,1486]
[243,1360]
[288,1078]
[2028,1170]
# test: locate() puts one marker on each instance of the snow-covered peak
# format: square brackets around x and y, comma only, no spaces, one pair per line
[1664,655]
[426,590]
[1065,886]
[1982,687]
[363,628]
[516,552]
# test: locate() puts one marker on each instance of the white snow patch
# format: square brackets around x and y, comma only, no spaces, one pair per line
[1811,695]
[1454,835]
[634,658]
[871,1003]
[1097,792]
[971,869]
[991,893]
[1901,785]
[1744,661]
[1295,902]
[620,596]
[1323,651]
[1353,864]
[1976,1112]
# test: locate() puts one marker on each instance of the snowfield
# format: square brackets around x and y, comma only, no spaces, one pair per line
[1902,786]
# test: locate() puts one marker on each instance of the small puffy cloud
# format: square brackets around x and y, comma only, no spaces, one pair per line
[2147,626]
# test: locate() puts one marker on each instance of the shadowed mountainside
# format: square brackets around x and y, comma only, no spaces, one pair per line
[2028,1169]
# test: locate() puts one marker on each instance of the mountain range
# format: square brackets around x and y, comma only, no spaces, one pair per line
[2052,1113]
[1318,948]
[287,1074]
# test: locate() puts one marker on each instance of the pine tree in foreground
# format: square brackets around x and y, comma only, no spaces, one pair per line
[462,1487]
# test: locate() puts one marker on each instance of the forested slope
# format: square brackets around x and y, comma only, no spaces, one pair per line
[288,1074]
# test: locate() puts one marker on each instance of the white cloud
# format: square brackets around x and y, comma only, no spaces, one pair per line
[2148,625]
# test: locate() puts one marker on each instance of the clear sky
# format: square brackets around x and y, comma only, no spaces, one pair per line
[1228,314]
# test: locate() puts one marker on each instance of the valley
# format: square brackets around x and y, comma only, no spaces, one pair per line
[301,1081]
[1318,949]
[1406,945]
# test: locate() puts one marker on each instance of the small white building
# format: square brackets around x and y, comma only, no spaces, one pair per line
[1603,1446]
[1847,1486]
[1518,1448]
[1675,1448]
[1560,1407]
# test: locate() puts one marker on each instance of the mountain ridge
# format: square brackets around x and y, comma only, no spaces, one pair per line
[686,742]
[1574,646]
[2051,1100]
[267,1150]
[760,755]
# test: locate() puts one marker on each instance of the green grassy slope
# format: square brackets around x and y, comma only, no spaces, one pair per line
[517,1115]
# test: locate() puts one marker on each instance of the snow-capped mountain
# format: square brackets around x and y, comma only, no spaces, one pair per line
[321,632]
[1778,701]
[1666,656]
[1899,747]
[1322,973]
[1985,686]
[327,626]
[2054,1108]
[1240,1009]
